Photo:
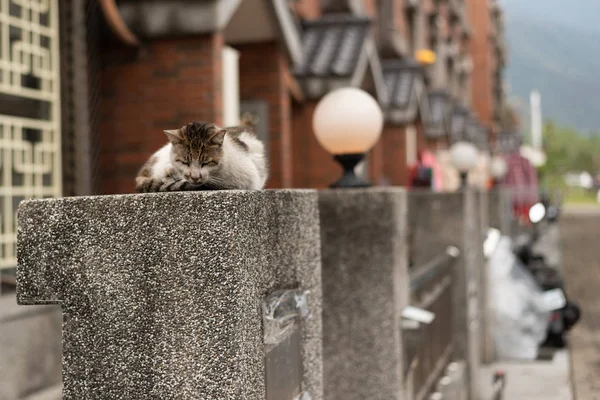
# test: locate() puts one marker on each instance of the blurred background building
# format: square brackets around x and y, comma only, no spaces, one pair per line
[87,87]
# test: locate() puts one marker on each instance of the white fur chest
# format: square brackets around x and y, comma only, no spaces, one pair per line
[163,162]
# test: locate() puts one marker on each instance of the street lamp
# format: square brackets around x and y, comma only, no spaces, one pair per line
[498,168]
[464,156]
[347,123]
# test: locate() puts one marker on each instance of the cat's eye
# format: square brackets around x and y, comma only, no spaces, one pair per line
[207,163]
[184,162]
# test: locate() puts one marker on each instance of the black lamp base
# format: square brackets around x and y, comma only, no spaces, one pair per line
[349,178]
[463,179]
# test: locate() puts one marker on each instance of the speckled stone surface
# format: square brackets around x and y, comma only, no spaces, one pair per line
[435,222]
[486,342]
[365,287]
[161,293]
[438,220]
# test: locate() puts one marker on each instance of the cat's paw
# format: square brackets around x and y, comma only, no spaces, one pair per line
[171,185]
[170,171]
[144,185]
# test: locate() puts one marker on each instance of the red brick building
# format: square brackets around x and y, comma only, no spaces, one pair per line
[154,65]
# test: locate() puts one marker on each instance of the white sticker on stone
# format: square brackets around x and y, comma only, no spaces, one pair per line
[418,314]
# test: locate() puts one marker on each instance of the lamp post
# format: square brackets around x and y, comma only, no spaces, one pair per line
[464,157]
[498,168]
[347,122]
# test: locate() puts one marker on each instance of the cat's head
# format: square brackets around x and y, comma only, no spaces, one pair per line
[197,150]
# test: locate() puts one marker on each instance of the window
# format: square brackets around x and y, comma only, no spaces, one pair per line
[30,145]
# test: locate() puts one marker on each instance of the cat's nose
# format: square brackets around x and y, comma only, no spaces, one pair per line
[195,176]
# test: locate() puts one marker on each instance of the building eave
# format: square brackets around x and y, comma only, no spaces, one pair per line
[390,42]
[288,30]
[153,19]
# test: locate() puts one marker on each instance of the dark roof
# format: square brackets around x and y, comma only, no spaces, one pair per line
[332,45]
[399,77]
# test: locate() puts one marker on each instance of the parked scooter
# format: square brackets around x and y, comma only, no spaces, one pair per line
[563,318]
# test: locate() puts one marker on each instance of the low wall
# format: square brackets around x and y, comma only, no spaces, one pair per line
[439,220]
[30,348]
[163,294]
[365,288]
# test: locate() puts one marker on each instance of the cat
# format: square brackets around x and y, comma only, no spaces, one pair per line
[202,156]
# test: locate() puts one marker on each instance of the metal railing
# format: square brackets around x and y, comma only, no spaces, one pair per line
[431,289]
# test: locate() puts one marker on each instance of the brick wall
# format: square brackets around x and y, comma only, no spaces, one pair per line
[478,12]
[387,160]
[313,167]
[371,7]
[375,159]
[422,143]
[307,9]
[263,69]
[167,84]
[393,140]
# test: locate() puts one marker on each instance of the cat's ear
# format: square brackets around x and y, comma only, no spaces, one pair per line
[218,137]
[174,136]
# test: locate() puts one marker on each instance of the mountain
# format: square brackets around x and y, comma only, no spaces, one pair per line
[580,14]
[556,49]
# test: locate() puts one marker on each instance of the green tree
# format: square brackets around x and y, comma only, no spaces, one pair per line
[569,151]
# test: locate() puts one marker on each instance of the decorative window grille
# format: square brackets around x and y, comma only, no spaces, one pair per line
[30,115]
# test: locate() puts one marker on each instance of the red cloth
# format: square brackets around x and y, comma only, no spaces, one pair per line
[521,178]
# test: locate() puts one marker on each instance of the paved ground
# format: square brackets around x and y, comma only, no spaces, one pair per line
[580,239]
[539,380]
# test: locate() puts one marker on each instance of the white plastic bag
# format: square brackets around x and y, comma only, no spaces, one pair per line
[520,322]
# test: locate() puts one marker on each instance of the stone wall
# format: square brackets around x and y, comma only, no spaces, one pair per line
[162,293]
[30,348]
[365,288]
[439,220]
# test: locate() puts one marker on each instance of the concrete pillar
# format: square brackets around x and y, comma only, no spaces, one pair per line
[485,320]
[365,288]
[500,211]
[30,348]
[439,220]
[162,294]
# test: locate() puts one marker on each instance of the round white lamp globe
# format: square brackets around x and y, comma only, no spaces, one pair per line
[347,121]
[498,167]
[537,212]
[464,156]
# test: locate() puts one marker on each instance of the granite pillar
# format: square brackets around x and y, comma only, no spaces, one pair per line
[485,315]
[161,294]
[439,220]
[365,288]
